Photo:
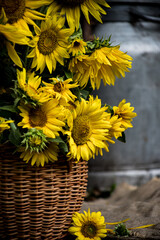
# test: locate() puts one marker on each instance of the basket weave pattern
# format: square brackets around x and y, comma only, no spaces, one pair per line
[38,203]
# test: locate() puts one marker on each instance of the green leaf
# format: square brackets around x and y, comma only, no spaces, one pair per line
[63,147]
[122,138]
[15,135]
[16,102]
[76,34]
[91,45]
[110,109]
[84,94]
[56,140]
[76,92]
[68,74]
[9,108]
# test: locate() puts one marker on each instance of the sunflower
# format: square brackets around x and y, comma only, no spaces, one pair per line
[50,44]
[83,68]
[125,112]
[115,130]
[105,63]
[60,89]
[88,129]
[116,126]
[77,47]
[19,12]
[30,84]
[88,226]
[4,124]
[9,35]
[49,153]
[43,117]
[112,63]
[72,10]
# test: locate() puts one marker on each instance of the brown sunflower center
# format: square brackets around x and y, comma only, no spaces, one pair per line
[47,42]
[14,9]
[70,3]
[89,230]
[76,44]
[81,130]
[57,87]
[37,117]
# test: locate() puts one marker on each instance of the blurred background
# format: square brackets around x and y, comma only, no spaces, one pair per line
[135,25]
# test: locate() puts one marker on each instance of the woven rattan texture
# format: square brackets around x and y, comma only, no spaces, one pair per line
[38,203]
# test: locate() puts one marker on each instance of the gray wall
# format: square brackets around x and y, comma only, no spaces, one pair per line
[137,160]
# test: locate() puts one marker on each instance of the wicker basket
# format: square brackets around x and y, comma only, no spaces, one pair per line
[38,203]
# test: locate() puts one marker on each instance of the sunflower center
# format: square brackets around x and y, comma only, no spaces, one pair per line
[76,44]
[81,130]
[14,9]
[70,3]
[89,229]
[47,42]
[37,117]
[57,87]
[35,141]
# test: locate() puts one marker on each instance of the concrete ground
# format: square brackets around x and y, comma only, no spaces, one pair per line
[140,204]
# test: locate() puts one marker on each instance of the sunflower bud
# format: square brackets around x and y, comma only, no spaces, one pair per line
[34,140]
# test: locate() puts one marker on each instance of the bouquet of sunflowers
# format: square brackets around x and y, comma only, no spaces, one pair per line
[47,75]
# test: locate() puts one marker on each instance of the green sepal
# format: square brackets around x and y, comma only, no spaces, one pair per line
[76,34]
[76,92]
[121,230]
[68,74]
[110,109]
[20,95]
[97,44]
[62,145]
[84,94]
[122,138]
[9,108]
[32,134]
[58,139]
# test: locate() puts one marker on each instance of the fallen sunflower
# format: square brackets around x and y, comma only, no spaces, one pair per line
[88,226]
[92,226]
[88,129]
[50,44]
[43,117]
